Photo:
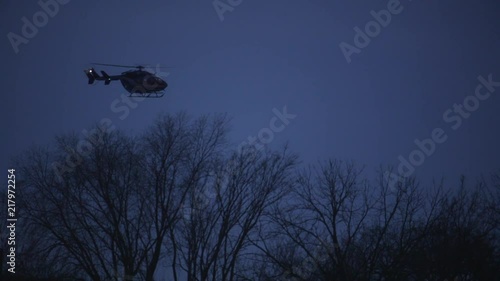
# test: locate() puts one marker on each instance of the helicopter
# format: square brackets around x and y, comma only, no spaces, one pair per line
[139,83]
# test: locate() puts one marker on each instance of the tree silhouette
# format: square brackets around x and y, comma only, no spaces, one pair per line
[177,194]
[338,226]
[226,210]
[111,213]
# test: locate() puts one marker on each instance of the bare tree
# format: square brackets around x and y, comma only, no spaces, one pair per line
[338,226]
[94,212]
[462,242]
[318,222]
[110,214]
[180,155]
[35,258]
[226,210]
[177,193]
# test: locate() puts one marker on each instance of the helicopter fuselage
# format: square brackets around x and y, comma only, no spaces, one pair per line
[134,81]
[140,81]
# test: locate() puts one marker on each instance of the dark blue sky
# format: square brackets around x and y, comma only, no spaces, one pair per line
[265,55]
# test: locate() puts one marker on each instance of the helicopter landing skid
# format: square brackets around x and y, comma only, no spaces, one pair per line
[147,95]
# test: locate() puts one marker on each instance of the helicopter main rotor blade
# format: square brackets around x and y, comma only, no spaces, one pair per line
[117,65]
[135,66]
[155,67]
